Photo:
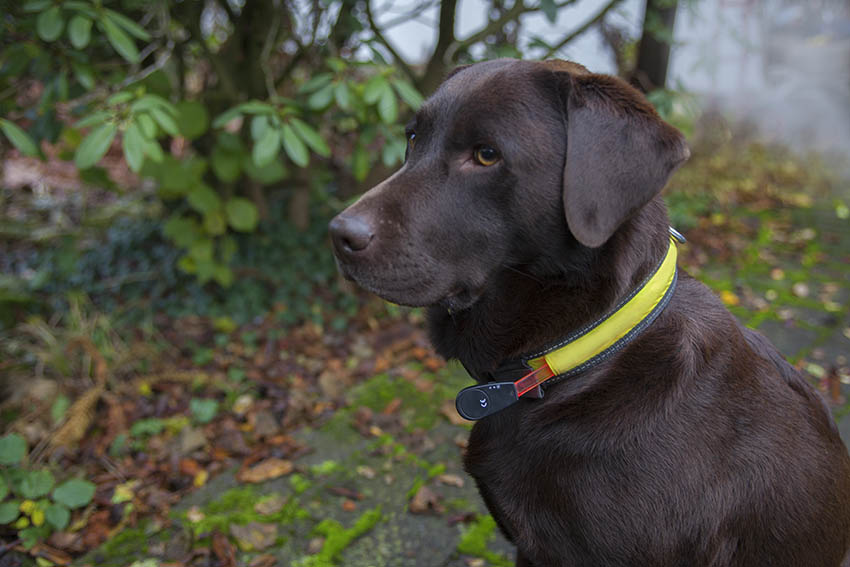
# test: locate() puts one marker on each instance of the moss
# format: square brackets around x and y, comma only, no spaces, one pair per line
[299,483]
[474,540]
[337,538]
[236,506]
[326,467]
[127,541]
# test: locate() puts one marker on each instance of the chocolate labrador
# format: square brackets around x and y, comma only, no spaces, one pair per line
[625,418]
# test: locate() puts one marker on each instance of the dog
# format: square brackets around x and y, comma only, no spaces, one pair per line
[527,219]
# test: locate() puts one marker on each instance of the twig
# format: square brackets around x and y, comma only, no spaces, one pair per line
[518,9]
[265,54]
[581,29]
[380,37]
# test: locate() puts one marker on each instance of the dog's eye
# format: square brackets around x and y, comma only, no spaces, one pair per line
[485,155]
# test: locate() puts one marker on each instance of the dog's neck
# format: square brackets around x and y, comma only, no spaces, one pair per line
[519,314]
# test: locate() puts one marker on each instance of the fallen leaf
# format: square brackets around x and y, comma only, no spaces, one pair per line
[264,561]
[254,536]
[365,471]
[223,550]
[266,470]
[392,406]
[315,546]
[451,480]
[349,505]
[426,501]
[270,505]
[194,515]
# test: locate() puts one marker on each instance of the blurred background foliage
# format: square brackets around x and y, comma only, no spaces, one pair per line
[168,172]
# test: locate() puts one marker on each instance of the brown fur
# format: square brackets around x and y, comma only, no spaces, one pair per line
[697,444]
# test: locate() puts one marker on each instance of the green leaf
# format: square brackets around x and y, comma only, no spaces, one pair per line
[266,148]
[294,147]
[226,117]
[342,94]
[226,165]
[84,74]
[123,44]
[37,5]
[388,106]
[374,88]
[74,493]
[193,120]
[259,125]
[203,410]
[215,223]
[203,199]
[49,24]
[93,119]
[256,107]
[79,31]
[36,484]
[13,448]
[58,408]
[120,98]
[153,150]
[408,93]
[58,516]
[18,137]
[129,25]
[95,145]
[360,163]
[549,9]
[241,214]
[322,98]
[9,511]
[223,275]
[134,147]
[147,125]
[150,101]
[4,489]
[165,121]
[316,83]
[311,136]
[201,250]
[268,174]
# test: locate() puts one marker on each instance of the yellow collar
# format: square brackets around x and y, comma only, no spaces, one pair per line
[579,351]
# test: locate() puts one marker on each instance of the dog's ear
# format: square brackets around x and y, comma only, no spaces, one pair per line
[620,153]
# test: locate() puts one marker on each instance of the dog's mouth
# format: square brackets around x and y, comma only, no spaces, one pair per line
[422,294]
[460,298]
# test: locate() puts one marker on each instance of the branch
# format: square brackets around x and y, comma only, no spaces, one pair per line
[581,29]
[493,26]
[413,14]
[383,41]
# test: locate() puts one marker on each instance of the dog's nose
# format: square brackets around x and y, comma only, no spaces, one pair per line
[351,233]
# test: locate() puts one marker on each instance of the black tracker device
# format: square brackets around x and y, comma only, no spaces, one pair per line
[479,401]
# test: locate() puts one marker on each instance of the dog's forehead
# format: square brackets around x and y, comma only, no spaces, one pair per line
[487,86]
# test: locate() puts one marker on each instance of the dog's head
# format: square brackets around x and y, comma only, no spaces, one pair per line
[510,163]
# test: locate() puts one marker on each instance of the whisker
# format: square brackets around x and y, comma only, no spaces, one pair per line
[520,272]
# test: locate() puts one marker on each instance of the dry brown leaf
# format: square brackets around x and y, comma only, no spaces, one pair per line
[80,416]
[426,501]
[254,536]
[266,470]
[451,480]
[223,550]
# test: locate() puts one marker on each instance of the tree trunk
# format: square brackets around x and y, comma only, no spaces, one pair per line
[650,72]
[438,67]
